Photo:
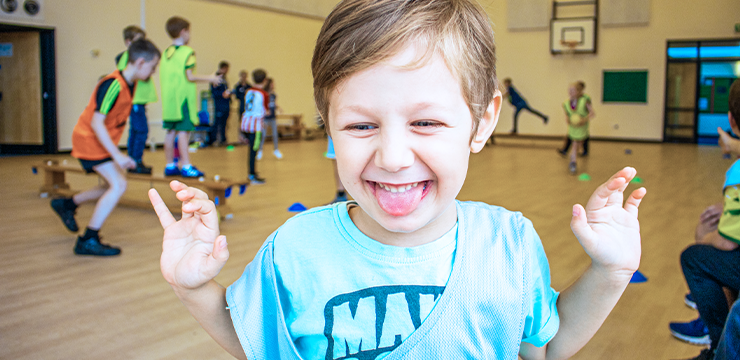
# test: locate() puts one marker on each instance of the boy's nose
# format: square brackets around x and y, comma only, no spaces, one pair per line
[394,152]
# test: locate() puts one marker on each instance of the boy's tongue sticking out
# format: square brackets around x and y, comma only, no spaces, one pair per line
[399,200]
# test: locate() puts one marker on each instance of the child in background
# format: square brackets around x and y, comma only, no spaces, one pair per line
[255,108]
[580,87]
[408,92]
[221,106]
[714,261]
[240,90]
[578,113]
[145,94]
[516,100]
[179,97]
[95,143]
[270,120]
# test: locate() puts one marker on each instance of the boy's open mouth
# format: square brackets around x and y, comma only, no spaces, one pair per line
[399,199]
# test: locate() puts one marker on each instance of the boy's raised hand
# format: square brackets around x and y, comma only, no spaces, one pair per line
[608,232]
[193,253]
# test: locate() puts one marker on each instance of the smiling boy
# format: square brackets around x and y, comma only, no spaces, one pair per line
[407,90]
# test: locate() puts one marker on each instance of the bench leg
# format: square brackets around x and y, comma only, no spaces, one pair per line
[219,198]
[53,182]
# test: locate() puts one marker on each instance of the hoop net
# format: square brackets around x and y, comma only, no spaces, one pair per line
[570,47]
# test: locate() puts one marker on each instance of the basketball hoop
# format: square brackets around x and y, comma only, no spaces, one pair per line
[569,46]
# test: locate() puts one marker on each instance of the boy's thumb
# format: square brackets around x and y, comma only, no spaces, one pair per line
[220,249]
[579,223]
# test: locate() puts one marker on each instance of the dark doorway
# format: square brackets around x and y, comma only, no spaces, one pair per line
[698,78]
[28,116]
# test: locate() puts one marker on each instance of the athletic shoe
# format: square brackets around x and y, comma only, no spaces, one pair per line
[65,213]
[689,300]
[693,332]
[256,180]
[562,152]
[277,154]
[141,169]
[572,168]
[94,247]
[191,172]
[546,119]
[171,171]
[259,155]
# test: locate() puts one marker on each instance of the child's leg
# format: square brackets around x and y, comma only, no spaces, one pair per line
[565,148]
[574,150]
[708,269]
[585,146]
[274,134]
[139,130]
[251,138]
[169,146]
[116,179]
[183,142]
[90,195]
[516,118]
[541,115]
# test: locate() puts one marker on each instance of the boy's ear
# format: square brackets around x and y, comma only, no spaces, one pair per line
[487,124]
[733,123]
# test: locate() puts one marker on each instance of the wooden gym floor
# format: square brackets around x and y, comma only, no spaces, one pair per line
[55,305]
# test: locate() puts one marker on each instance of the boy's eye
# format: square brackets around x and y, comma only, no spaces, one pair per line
[427,123]
[361,127]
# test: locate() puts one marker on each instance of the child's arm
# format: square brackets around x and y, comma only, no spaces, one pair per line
[98,126]
[213,79]
[727,143]
[193,254]
[610,235]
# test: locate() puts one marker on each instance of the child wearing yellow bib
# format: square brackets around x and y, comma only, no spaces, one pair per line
[578,113]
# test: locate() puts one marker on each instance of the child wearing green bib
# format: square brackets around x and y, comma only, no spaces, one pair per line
[179,96]
[145,93]
[578,113]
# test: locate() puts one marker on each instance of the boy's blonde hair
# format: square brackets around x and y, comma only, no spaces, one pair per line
[361,33]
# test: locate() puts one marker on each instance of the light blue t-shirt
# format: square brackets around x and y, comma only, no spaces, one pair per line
[320,289]
[348,296]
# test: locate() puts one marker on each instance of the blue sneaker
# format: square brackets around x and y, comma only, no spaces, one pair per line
[689,300]
[191,172]
[693,332]
[171,171]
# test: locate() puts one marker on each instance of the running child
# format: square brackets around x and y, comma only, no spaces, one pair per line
[95,143]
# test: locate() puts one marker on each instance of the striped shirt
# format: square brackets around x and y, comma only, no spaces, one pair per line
[255,108]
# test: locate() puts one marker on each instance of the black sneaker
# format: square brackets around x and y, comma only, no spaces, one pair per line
[141,169]
[65,213]
[562,152]
[93,246]
[256,180]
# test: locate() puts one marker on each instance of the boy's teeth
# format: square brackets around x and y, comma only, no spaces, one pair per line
[398,189]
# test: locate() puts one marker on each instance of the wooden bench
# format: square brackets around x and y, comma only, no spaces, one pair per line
[218,190]
[287,131]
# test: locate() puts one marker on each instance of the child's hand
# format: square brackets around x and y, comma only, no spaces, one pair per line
[724,141]
[711,214]
[609,233]
[193,253]
[124,161]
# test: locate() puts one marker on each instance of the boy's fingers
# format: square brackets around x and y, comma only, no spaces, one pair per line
[617,183]
[205,208]
[633,202]
[163,213]
[190,193]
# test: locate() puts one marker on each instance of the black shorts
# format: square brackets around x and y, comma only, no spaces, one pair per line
[88,165]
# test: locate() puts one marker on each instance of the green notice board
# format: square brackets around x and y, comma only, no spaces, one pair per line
[625,86]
